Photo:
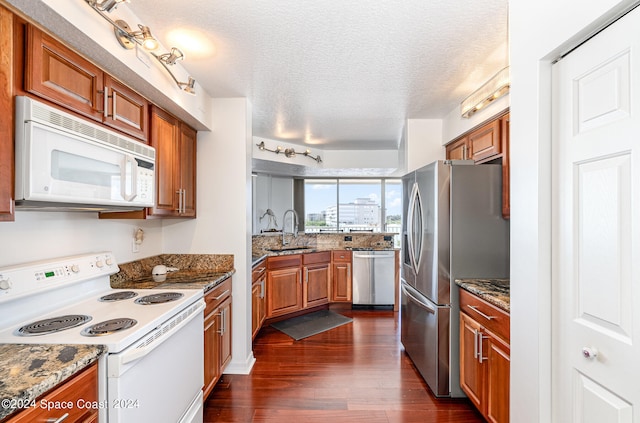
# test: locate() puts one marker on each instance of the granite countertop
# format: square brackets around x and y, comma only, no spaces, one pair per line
[494,291]
[28,371]
[182,279]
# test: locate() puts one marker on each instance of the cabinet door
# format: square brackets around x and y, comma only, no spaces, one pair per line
[127,110]
[164,137]
[284,291]
[83,387]
[187,170]
[316,285]
[256,292]
[457,150]
[341,287]
[499,363]
[6,123]
[505,128]
[224,314]
[485,141]
[211,351]
[472,372]
[60,75]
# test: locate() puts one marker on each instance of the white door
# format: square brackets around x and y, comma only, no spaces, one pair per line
[596,182]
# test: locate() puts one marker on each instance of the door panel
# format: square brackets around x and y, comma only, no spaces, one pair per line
[596,220]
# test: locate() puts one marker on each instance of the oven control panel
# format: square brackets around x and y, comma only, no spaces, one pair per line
[35,277]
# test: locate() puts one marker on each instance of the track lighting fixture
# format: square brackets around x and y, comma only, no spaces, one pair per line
[129,38]
[289,152]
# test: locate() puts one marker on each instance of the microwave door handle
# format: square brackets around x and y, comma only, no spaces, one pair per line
[129,161]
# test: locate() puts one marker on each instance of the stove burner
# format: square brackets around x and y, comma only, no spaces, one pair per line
[163,297]
[108,327]
[54,324]
[117,296]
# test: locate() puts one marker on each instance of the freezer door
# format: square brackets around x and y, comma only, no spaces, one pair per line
[424,332]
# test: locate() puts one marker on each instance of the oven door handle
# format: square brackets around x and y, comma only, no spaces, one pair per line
[137,353]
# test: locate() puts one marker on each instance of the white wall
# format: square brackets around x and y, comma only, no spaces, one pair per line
[223,223]
[454,125]
[43,235]
[539,31]
[271,192]
[423,143]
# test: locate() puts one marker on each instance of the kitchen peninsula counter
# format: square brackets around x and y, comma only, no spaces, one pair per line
[195,271]
[28,371]
[494,291]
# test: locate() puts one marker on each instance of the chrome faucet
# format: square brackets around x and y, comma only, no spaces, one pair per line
[294,224]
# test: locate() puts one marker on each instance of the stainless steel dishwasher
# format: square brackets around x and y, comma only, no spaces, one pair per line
[373,278]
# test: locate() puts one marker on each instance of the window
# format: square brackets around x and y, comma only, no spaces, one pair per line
[353,205]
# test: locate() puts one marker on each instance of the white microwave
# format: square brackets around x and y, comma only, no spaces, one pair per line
[63,162]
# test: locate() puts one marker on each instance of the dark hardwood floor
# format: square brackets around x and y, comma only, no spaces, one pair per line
[357,372]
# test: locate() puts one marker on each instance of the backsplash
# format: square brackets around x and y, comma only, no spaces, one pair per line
[320,241]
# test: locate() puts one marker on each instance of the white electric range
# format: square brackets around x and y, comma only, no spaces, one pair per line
[154,337]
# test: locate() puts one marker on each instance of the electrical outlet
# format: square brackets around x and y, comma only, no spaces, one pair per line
[135,247]
[348,238]
[388,238]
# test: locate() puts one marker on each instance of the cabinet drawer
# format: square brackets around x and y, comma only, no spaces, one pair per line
[216,296]
[314,258]
[258,271]
[341,256]
[488,315]
[83,386]
[282,262]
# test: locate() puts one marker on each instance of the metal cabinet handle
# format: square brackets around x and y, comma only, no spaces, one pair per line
[58,420]
[114,114]
[475,308]
[478,337]
[224,294]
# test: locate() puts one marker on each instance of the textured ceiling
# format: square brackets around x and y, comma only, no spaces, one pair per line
[334,73]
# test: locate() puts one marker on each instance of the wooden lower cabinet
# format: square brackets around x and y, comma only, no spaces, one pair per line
[284,288]
[258,297]
[83,387]
[315,291]
[217,334]
[484,357]
[341,283]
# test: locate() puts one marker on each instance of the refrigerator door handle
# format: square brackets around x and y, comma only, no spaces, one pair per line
[413,198]
[418,302]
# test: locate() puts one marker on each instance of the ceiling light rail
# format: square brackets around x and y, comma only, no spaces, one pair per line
[290,152]
[129,38]
[490,91]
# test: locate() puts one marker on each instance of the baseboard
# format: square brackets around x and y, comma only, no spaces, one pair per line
[239,367]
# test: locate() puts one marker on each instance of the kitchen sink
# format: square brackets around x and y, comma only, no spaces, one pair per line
[291,248]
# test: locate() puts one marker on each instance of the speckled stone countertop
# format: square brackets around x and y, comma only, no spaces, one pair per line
[195,271]
[313,242]
[182,279]
[494,291]
[28,371]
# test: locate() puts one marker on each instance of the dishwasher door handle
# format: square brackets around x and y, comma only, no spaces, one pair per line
[374,256]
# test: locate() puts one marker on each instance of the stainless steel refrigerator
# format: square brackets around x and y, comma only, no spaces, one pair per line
[452,228]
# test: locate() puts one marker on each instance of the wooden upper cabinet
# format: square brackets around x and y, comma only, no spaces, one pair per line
[6,123]
[485,141]
[505,128]
[175,145]
[458,150]
[164,138]
[187,170]
[127,110]
[60,75]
